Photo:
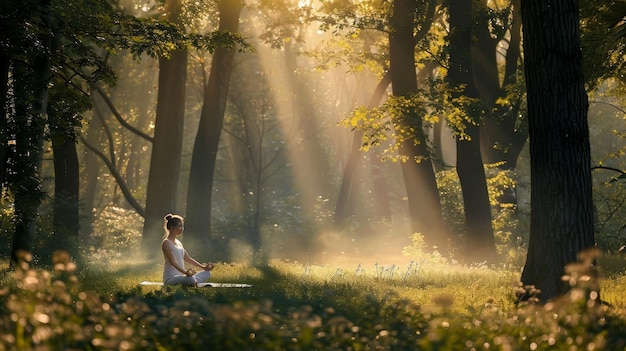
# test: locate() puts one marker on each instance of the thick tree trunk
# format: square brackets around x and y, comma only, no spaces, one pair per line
[162,189]
[31,94]
[480,243]
[204,157]
[419,178]
[65,217]
[561,197]
[4,135]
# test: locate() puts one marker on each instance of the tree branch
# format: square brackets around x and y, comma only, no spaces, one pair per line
[609,168]
[120,181]
[118,116]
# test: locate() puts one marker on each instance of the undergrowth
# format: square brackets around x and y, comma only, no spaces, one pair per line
[294,306]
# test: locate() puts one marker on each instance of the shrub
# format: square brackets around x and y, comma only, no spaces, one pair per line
[116,232]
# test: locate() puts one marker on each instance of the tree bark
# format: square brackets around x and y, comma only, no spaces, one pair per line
[561,197]
[66,180]
[502,139]
[479,243]
[419,178]
[204,157]
[4,137]
[162,189]
[502,136]
[31,94]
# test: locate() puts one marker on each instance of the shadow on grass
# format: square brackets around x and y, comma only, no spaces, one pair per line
[109,277]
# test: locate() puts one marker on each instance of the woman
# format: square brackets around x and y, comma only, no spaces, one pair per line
[175,256]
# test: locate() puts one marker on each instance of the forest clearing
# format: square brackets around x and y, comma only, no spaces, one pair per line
[357,174]
[422,305]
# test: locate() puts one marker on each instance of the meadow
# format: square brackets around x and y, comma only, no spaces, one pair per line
[351,305]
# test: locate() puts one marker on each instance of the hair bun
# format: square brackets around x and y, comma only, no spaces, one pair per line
[168,217]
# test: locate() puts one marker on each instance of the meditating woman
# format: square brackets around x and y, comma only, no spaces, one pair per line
[175,256]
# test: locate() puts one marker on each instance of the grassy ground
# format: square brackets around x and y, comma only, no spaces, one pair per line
[414,305]
[423,283]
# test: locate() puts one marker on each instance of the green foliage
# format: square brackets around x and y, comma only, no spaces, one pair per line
[349,18]
[6,224]
[283,22]
[116,233]
[603,40]
[55,50]
[510,223]
[402,119]
[112,29]
[606,129]
[295,307]
[417,251]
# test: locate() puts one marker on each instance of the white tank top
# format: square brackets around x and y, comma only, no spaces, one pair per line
[179,253]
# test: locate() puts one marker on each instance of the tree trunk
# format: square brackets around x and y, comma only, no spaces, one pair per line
[479,243]
[4,135]
[162,189]
[89,176]
[561,197]
[419,178]
[65,217]
[343,210]
[502,136]
[31,94]
[380,191]
[204,157]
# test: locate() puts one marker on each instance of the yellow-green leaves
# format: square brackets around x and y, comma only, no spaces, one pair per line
[405,118]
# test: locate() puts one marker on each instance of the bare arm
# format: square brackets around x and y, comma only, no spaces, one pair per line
[192,261]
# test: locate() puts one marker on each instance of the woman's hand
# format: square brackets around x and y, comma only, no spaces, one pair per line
[208,266]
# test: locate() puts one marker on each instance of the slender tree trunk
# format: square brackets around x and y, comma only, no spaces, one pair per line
[162,189]
[480,244]
[91,171]
[254,135]
[561,198]
[342,209]
[502,138]
[380,191]
[252,155]
[204,157]
[419,178]
[310,162]
[515,134]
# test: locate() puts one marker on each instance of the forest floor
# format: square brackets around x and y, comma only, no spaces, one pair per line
[350,305]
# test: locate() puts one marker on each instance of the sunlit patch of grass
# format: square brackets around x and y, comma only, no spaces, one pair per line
[612,292]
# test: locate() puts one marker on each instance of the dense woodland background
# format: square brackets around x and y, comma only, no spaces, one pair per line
[307,130]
